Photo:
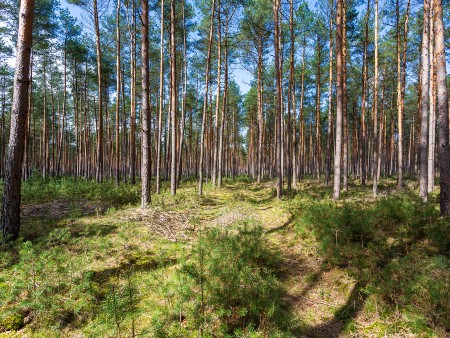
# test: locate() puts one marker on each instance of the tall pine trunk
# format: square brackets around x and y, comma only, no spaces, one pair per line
[423,164]
[145,111]
[442,108]
[10,216]
[173,99]
[340,101]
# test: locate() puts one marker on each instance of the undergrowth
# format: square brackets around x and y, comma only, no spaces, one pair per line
[110,275]
[37,189]
[396,248]
[227,287]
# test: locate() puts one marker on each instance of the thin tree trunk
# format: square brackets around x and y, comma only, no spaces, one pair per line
[99,173]
[344,97]
[318,101]
[118,93]
[132,30]
[364,102]
[173,105]
[145,111]
[375,110]
[432,127]
[184,97]
[423,165]
[276,9]
[224,107]
[260,108]
[161,101]
[45,132]
[62,119]
[442,108]
[205,103]
[330,100]
[340,101]
[216,119]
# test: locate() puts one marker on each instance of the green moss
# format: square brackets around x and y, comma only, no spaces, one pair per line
[11,321]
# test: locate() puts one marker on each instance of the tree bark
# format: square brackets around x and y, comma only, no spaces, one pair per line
[423,165]
[363,143]
[161,101]
[184,97]
[99,173]
[442,108]
[173,105]
[10,217]
[340,100]
[276,9]
[205,103]
[216,119]
[432,127]
[330,100]
[145,111]
[118,93]
[375,110]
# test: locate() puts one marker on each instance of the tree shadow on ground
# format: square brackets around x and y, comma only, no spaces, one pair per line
[371,242]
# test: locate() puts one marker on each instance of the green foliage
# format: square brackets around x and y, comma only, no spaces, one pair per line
[37,189]
[109,275]
[395,247]
[229,284]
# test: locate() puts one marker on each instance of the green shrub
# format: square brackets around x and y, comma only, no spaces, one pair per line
[230,281]
[394,247]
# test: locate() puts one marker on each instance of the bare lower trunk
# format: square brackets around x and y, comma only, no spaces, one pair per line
[205,103]
[276,8]
[442,108]
[432,127]
[173,105]
[423,165]
[375,110]
[340,100]
[99,173]
[146,151]
[118,84]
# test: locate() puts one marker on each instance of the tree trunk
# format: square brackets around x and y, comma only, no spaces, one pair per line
[344,98]
[375,110]
[205,103]
[340,100]
[161,101]
[276,9]
[99,173]
[45,132]
[330,100]
[432,127]
[184,97]
[423,165]
[173,105]
[216,119]
[363,143]
[442,108]
[145,111]
[260,108]
[132,30]
[118,93]
[10,216]
[224,106]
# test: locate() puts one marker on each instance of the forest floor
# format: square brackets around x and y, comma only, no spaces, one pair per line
[91,263]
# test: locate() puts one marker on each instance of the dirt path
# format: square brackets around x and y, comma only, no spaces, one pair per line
[314,292]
